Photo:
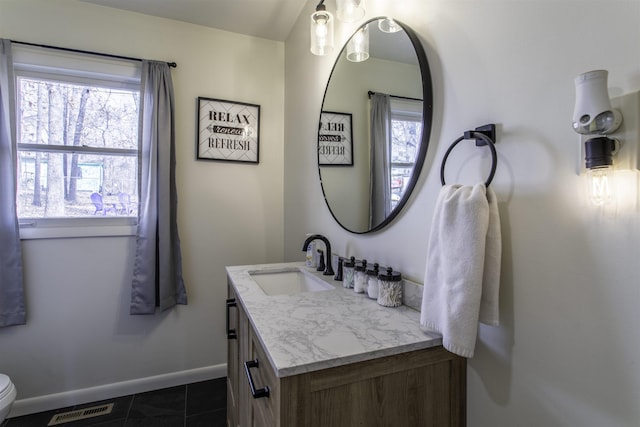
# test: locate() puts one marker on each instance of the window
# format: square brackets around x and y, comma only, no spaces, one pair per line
[77,129]
[406,133]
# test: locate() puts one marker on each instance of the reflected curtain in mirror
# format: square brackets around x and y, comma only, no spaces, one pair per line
[380,158]
[12,306]
[157,270]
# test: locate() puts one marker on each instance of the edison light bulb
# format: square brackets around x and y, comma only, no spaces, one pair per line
[321,32]
[600,186]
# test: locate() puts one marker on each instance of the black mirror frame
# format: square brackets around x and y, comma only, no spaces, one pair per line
[427,120]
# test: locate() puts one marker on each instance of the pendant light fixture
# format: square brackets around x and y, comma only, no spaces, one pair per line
[321,30]
[358,46]
[350,10]
[388,25]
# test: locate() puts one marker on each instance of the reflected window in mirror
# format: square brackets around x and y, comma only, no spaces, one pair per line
[396,131]
[406,132]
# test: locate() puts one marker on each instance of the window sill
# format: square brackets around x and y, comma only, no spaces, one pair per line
[30,230]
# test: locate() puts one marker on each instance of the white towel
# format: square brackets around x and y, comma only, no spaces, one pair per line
[465,234]
[489,303]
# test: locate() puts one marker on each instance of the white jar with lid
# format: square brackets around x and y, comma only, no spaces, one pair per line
[349,270]
[372,282]
[360,277]
[390,288]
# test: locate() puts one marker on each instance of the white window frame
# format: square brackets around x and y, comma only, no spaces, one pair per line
[408,110]
[78,68]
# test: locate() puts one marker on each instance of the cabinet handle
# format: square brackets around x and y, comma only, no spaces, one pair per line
[231,333]
[263,392]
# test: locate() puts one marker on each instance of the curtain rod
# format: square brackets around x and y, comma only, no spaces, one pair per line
[371,93]
[67,49]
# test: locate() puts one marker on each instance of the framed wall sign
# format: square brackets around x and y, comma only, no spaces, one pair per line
[335,139]
[228,130]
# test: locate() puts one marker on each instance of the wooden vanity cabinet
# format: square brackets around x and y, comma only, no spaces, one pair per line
[417,388]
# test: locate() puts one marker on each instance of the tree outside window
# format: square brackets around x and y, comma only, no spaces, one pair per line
[76,140]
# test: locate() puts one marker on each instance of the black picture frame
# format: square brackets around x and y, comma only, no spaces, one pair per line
[228,131]
[335,139]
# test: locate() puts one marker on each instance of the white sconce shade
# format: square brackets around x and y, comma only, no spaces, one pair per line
[389,26]
[593,113]
[350,10]
[358,46]
[321,31]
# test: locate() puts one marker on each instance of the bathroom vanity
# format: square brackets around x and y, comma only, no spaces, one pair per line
[305,352]
[322,355]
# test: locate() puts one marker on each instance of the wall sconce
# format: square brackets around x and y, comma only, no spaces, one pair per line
[593,115]
[358,46]
[350,10]
[321,31]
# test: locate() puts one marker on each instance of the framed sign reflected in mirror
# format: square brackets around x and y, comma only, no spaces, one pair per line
[335,139]
[228,130]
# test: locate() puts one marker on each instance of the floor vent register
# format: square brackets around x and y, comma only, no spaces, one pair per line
[81,414]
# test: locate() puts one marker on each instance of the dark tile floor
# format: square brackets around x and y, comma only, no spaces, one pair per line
[202,404]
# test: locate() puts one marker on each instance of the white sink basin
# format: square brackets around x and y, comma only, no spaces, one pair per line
[288,281]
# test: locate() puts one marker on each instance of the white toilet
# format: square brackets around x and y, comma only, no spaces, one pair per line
[7,396]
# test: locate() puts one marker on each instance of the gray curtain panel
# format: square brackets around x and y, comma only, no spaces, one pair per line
[157,271]
[12,307]
[380,154]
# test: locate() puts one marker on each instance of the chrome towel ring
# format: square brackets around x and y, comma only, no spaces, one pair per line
[485,134]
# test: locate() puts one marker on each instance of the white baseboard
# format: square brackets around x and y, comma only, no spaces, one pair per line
[108,391]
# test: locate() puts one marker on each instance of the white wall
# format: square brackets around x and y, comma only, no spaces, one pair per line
[568,348]
[79,333]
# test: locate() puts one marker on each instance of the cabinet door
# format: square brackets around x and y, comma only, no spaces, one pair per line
[232,358]
[264,410]
[423,388]
[244,394]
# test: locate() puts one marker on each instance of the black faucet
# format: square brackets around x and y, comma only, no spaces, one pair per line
[328,271]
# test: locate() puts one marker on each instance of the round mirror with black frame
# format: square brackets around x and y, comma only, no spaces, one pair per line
[374,125]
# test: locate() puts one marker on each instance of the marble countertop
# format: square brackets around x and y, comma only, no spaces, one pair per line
[310,331]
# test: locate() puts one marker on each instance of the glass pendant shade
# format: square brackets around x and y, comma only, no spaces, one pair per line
[593,113]
[321,32]
[350,10]
[358,46]
[388,26]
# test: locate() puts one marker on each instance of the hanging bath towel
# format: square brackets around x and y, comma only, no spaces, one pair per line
[462,274]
